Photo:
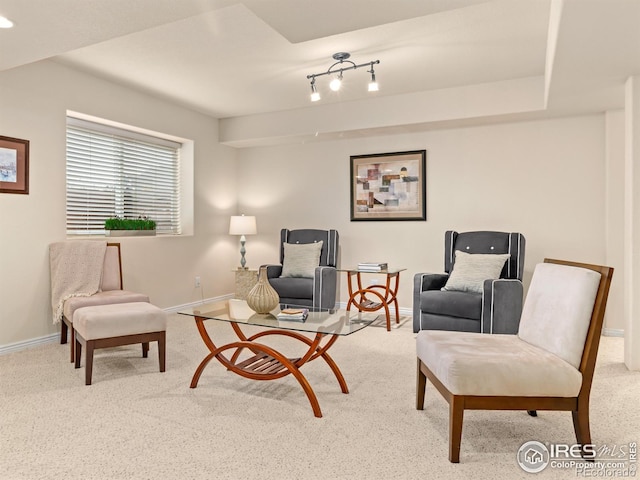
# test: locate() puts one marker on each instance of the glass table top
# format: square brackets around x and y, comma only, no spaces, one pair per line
[388,270]
[340,322]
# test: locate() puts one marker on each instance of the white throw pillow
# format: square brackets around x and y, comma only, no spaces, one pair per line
[301,259]
[471,270]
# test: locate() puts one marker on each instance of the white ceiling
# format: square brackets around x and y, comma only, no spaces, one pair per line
[230,58]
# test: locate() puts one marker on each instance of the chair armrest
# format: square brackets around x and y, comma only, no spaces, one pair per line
[429,281]
[501,306]
[273,271]
[325,288]
[421,283]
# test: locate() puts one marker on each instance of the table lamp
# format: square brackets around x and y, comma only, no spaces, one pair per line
[242,225]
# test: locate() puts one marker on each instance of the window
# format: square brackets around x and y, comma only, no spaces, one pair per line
[116,172]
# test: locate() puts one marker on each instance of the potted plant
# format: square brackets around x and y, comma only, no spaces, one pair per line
[129,227]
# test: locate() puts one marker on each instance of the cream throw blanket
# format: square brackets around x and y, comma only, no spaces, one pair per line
[76,271]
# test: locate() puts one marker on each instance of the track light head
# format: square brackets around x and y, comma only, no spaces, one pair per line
[5,22]
[315,96]
[336,83]
[373,85]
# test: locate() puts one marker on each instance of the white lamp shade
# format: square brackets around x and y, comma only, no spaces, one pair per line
[243,225]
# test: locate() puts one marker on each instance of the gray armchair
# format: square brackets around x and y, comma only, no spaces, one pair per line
[317,288]
[496,309]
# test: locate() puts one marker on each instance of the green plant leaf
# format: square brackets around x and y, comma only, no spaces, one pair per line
[117,223]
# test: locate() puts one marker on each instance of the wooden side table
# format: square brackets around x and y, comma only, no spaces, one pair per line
[383,295]
[245,280]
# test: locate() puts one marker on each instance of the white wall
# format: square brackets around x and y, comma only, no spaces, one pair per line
[543,178]
[615,223]
[33,104]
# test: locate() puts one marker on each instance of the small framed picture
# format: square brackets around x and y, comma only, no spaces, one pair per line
[389,186]
[14,165]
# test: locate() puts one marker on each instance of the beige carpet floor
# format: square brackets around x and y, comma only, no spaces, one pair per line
[137,423]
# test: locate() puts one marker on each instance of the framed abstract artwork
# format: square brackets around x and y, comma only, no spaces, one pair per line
[389,186]
[14,165]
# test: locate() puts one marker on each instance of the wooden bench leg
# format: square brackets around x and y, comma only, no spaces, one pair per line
[161,351]
[78,352]
[145,349]
[456,414]
[88,360]
[72,344]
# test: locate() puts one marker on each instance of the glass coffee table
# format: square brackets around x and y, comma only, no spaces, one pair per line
[251,358]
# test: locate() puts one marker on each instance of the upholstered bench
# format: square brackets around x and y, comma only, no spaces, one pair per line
[103,326]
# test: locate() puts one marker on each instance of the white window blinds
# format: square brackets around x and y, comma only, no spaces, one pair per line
[114,172]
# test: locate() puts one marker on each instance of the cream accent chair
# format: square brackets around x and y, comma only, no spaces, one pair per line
[110,292]
[548,365]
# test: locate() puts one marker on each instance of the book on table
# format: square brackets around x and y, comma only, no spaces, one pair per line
[372,266]
[294,314]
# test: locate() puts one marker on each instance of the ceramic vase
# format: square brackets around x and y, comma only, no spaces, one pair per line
[262,298]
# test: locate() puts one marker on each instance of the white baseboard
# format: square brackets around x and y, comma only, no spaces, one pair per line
[33,342]
[184,306]
[613,332]
[54,337]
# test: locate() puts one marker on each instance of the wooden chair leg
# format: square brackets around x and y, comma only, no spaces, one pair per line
[421,386]
[63,333]
[145,349]
[66,329]
[456,414]
[581,423]
[161,351]
[88,360]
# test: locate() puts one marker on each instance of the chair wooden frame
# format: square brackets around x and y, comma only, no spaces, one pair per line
[67,323]
[578,406]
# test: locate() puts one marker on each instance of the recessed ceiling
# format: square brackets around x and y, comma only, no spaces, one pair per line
[230,58]
[229,62]
[45,28]
[300,21]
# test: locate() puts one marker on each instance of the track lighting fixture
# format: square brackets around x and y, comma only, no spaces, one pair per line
[342,59]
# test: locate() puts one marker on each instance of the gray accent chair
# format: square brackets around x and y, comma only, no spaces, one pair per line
[496,310]
[319,292]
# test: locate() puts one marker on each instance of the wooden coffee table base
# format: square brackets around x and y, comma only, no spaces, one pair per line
[266,363]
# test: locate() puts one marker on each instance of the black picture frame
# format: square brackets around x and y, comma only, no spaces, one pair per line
[389,186]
